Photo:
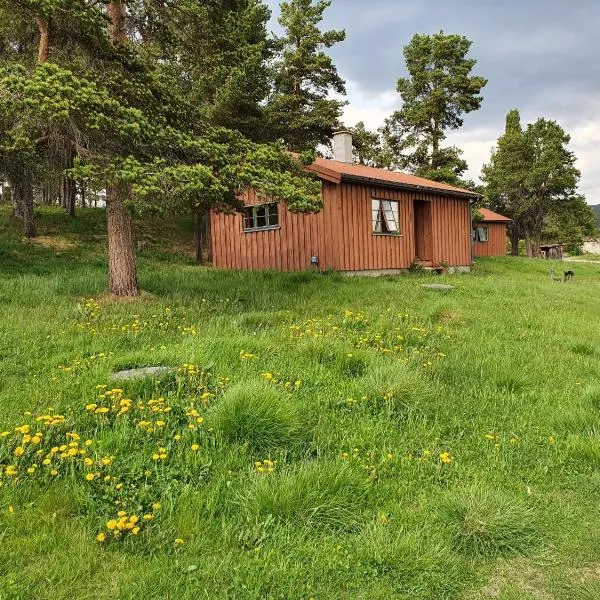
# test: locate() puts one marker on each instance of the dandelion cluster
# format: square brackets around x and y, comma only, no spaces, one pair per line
[92,319]
[52,445]
[406,336]
[265,466]
[287,383]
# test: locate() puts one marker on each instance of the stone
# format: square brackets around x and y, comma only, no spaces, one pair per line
[437,286]
[141,373]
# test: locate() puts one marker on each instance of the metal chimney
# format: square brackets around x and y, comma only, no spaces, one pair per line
[342,147]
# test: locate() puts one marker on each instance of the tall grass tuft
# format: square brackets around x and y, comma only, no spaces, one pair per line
[255,413]
[488,523]
[319,494]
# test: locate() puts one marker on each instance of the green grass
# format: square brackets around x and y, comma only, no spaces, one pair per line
[328,438]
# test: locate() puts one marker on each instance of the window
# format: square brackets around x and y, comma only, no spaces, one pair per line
[260,216]
[480,233]
[386,217]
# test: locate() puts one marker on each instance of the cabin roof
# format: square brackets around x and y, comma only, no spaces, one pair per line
[338,172]
[489,216]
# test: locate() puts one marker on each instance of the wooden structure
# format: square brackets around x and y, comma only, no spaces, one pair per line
[489,235]
[552,251]
[373,221]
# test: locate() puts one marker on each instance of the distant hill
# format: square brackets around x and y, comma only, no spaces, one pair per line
[596,209]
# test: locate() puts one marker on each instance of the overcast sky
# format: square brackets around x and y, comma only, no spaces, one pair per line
[540,56]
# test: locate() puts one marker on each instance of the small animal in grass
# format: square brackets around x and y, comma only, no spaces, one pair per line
[569,276]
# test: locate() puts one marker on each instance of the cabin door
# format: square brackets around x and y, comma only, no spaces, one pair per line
[423,236]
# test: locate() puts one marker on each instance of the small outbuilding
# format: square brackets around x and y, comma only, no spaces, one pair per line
[489,234]
[373,221]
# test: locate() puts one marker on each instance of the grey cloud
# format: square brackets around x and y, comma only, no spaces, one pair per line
[541,56]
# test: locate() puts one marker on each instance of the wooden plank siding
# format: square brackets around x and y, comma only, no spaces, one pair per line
[496,244]
[341,234]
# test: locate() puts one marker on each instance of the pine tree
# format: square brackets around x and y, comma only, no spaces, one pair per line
[130,123]
[300,111]
[532,179]
[440,89]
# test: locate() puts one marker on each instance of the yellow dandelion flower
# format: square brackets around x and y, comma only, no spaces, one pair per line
[135,530]
[156,506]
[101,537]
[195,447]
[89,477]
[88,462]
[121,513]
[88,442]
[54,472]
[148,517]
[179,541]
[19,451]
[112,524]
[446,458]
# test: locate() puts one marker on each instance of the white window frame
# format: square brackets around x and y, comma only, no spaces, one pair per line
[385,217]
[481,233]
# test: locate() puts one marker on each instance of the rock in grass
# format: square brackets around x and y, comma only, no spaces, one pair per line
[141,373]
[437,286]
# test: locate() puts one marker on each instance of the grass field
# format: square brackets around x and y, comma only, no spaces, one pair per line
[321,437]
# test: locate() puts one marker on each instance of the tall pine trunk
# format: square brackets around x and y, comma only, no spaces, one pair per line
[15,200]
[23,198]
[44,45]
[514,240]
[122,273]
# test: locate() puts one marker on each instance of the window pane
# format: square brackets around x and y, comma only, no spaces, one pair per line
[483,237]
[273,219]
[376,215]
[247,216]
[261,216]
[390,213]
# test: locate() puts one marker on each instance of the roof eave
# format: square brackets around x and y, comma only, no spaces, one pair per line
[471,196]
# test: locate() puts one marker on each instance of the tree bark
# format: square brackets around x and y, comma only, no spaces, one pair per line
[514,241]
[116,28]
[198,234]
[122,273]
[15,200]
[44,45]
[82,194]
[22,193]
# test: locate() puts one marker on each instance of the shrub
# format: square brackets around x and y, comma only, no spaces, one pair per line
[258,415]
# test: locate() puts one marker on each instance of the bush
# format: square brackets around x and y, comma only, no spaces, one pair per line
[258,415]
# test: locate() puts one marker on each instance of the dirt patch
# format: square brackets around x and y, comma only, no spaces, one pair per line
[586,573]
[450,317]
[516,573]
[58,243]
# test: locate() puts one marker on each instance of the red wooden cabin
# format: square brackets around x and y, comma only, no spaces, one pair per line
[373,220]
[489,235]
